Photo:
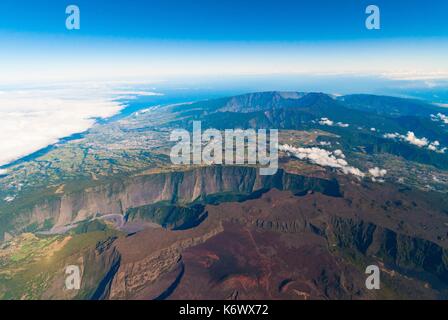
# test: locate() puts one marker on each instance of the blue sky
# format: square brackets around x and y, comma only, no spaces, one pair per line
[229,20]
[168,38]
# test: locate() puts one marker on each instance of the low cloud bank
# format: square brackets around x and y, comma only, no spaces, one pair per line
[33,118]
[333,159]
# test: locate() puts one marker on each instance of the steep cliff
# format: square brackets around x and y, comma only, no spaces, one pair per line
[181,187]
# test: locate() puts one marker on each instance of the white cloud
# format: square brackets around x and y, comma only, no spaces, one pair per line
[419,142]
[33,118]
[440,117]
[434,145]
[324,158]
[9,199]
[392,135]
[331,123]
[338,153]
[136,93]
[377,172]
[428,76]
[131,95]
[352,170]
[412,139]
[326,122]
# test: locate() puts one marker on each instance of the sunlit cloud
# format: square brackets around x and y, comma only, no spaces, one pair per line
[333,159]
[331,123]
[422,142]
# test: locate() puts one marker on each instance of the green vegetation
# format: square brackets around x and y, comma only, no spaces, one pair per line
[29,263]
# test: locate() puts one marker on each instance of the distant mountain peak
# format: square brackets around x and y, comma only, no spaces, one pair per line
[261,101]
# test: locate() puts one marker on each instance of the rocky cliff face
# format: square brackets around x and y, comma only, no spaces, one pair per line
[176,187]
[411,255]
